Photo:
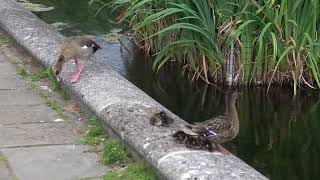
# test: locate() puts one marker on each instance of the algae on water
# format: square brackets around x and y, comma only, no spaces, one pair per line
[34,7]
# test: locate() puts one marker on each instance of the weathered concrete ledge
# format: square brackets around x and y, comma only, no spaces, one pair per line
[124,108]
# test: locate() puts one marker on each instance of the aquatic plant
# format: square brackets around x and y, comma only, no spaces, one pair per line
[259,42]
[35,7]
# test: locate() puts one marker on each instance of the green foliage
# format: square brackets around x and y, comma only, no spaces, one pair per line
[53,81]
[50,78]
[36,76]
[48,75]
[93,121]
[95,135]
[23,72]
[5,41]
[114,152]
[2,158]
[134,171]
[56,107]
[276,41]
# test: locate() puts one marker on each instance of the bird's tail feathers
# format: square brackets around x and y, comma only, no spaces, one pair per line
[95,46]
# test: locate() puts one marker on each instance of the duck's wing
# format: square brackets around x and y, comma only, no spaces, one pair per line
[197,128]
[216,125]
[219,124]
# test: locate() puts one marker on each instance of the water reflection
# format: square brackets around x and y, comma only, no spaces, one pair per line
[279,133]
[74,17]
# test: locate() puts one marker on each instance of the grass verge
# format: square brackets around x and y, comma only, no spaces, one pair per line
[47,76]
[56,107]
[95,135]
[5,41]
[114,154]
[133,171]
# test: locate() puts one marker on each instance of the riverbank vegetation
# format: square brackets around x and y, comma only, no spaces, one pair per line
[114,154]
[256,42]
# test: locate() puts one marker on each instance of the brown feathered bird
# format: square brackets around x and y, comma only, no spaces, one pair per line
[161,119]
[222,128]
[75,47]
[193,141]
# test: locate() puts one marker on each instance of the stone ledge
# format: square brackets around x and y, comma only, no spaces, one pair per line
[123,108]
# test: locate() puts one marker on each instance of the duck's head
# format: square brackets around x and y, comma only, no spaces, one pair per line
[160,119]
[154,121]
[162,114]
[56,72]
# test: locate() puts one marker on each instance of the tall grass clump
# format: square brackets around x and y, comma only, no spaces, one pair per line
[257,42]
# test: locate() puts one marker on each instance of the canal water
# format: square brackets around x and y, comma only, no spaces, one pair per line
[279,134]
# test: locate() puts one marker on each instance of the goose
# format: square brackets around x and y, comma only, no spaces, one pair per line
[75,47]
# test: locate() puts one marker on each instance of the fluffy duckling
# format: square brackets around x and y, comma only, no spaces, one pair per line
[161,119]
[193,141]
[180,136]
[75,47]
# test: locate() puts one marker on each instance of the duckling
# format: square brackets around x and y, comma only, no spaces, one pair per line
[180,136]
[193,141]
[75,47]
[199,142]
[161,119]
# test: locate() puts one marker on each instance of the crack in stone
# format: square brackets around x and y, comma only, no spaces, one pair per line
[38,145]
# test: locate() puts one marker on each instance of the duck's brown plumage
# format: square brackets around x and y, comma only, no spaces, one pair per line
[75,47]
[226,127]
[161,119]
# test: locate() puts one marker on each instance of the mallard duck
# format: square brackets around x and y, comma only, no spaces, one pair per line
[161,119]
[75,47]
[193,141]
[222,128]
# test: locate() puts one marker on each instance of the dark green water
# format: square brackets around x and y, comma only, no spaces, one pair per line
[279,134]
[73,16]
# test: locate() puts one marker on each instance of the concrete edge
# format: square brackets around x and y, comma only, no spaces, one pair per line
[123,108]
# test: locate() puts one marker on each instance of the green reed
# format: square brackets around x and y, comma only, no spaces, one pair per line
[276,42]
